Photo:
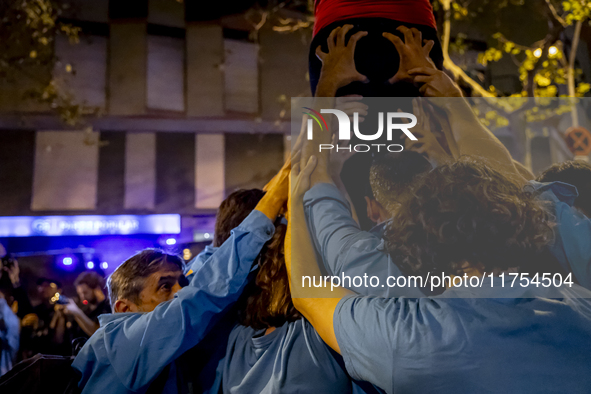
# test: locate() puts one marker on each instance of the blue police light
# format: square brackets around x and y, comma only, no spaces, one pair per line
[90,265]
[67,262]
[171,241]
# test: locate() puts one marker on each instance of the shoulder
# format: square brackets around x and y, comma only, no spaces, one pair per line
[553,191]
[241,334]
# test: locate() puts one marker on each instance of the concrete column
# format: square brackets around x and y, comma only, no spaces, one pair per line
[140,171]
[204,59]
[209,170]
[127,68]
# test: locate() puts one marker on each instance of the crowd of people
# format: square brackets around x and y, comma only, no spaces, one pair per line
[55,323]
[239,317]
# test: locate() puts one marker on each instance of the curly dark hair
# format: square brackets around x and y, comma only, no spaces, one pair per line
[392,176]
[576,173]
[468,212]
[267,301]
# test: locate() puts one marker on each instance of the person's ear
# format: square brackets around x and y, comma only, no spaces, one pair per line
[124,305]
[373,210]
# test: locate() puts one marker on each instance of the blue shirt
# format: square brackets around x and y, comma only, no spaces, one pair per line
[572,244]
[130,350]
[199,260]
[291,359]
[9,337]
[455,343]
[344,248]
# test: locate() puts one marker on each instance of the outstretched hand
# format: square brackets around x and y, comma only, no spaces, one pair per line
[277,192]
[300,179]
[434,83]
[412,52]
[338,65]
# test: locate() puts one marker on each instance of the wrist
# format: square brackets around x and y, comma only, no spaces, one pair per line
[270,206]
[320,177]
[327,87]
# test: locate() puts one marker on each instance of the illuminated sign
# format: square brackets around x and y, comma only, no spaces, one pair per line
[30,226]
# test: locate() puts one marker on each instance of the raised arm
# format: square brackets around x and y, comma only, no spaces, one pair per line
[470,135]
[84,322]
[329,215]
[427,143]
[317,304]
[338,70]
[143,344]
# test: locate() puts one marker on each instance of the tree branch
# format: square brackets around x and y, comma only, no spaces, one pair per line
[571,71]
[557,17]
[448,63]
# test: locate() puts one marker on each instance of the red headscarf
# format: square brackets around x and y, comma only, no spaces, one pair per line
[417,12]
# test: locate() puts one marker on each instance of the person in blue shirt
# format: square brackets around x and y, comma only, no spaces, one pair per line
[571,246]
[576,173]
[204,362]
[465,219]
[343,246]
[274,349]
[557,187]
[155,321]
[567,189]
[9,336]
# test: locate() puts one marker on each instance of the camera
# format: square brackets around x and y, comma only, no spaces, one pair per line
[60,299]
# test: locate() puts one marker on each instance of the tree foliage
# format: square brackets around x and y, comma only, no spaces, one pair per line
[543,65]
[28,30]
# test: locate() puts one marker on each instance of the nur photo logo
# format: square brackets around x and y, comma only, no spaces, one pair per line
[344,129]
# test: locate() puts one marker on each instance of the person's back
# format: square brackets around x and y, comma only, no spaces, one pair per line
[344,247]
[291,359]
[512,323]
[456,344]
[275,350]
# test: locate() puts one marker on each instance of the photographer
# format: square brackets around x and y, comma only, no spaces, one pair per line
[89,286]
[46,330]
[9,336]
[10,284]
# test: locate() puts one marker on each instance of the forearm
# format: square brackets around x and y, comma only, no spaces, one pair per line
[302,261]
[326,86]
[270,205]
[474,139]
[333,227]
[324,100]
[341,186]
[317,304]
[85,323]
